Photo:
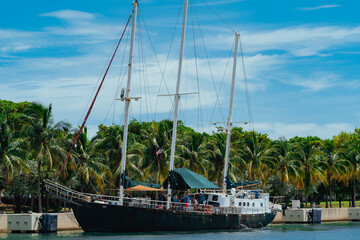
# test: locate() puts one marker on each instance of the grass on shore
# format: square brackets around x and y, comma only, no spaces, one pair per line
[335,204]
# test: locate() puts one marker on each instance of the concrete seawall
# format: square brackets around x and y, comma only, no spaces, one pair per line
[327,215]
[66,221]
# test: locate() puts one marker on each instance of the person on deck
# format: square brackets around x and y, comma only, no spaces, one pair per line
[188,204]
[186,198]
[203,199]
[195,202]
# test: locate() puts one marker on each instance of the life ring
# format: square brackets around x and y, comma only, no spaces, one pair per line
[207,209]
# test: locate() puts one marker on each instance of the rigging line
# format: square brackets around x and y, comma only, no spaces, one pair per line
[182,111]
[167,58]
[185,75]
[122,118]
[93,102]
[222,20]
[145,76]
[246,88]
[222,80]
[120,81]
[113,103]
[208,61]
[110,183]
[101,74]
[121,73]
[200,118]
[140,66]
[92,186]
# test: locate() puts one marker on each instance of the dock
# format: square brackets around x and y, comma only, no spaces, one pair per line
[327,215]
[65,221]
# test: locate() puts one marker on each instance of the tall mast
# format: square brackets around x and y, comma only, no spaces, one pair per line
[229,123]
[127,103]
[176,102]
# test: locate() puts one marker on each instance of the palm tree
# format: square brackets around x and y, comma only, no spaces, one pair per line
[215,152]
[39,129]
[156,139]
[110,140]
[308,154]
[287,166]
[335,168]
[12,151]
[351,151]
[91,161]
[192,152]
[256,155]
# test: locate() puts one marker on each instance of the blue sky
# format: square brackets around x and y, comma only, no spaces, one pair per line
[301,61]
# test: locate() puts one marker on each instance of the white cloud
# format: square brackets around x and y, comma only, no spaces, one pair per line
[219,2]
[315,82]
[297,40]
[12,33]
[82,26]
[12,40]
[70,15]
[319,7]
[276,130]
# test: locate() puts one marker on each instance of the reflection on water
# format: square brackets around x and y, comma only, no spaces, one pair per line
[343,230]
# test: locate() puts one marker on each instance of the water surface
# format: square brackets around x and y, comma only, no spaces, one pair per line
[328,231]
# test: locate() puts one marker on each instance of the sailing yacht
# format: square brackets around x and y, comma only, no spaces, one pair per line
[231,207]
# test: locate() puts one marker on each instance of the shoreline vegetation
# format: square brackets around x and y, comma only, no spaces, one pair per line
[33,147]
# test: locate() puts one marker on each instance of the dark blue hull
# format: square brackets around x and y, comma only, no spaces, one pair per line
[94,217]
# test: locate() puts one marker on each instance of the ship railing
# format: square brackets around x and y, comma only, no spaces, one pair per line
[174,206]
[228,191]
[253,193]
[72,195]
[238,210]
[68,194]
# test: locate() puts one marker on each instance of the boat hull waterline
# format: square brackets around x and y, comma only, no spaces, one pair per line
[95,217]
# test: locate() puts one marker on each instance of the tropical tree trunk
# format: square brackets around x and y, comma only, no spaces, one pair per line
[39,187]
[47,202]
[282,186]
[32,201]
[330,194]
[17,201]
[326,199]
[354,192]
[1,191]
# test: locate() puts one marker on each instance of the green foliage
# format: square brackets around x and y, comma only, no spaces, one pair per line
[32,145]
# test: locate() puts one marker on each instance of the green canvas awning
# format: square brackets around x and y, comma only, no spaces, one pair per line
[128,183]
[231,184]
[183,178]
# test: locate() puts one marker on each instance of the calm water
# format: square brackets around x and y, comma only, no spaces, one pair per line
[326,231]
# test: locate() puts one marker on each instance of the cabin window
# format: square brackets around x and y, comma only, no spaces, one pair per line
[215,198]
[261,204]
[239,204]
[248,204]
[253,204]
